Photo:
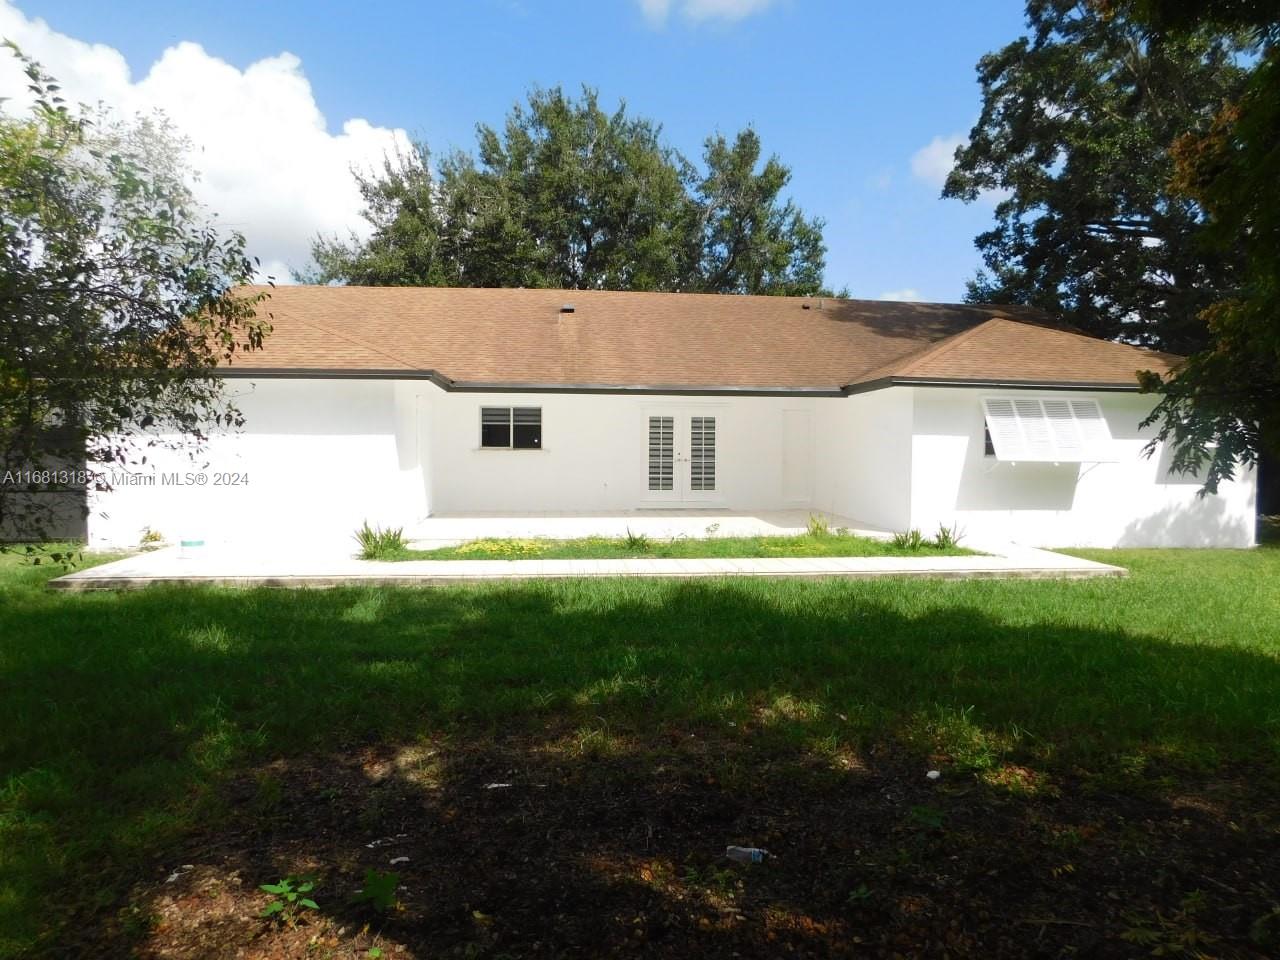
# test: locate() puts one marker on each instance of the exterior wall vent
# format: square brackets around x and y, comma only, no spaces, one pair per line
[566,308]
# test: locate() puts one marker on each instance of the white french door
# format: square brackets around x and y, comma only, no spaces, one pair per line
[682,445]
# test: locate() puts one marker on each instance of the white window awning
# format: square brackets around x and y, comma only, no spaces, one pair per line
[1048,430]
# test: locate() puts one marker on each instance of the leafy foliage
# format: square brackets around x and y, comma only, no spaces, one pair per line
[1222,408]
[117,296]
[291,897]
[567,195]
[908,540]
[1074,136]
[377,543]
[817,526]
[948,538]
[378,890]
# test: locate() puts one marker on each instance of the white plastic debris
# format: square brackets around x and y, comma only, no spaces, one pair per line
[497,786]
[745,854]
[395,860]
[934,774]
[386,841]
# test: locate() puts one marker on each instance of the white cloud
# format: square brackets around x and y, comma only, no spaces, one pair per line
[697,11]
[905,294]
[932,162]
[269,166]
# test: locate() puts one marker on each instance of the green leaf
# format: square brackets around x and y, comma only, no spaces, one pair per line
[274,887]
[310,903]
[272,909]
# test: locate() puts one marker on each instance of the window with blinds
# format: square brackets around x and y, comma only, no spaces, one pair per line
[662,453]
[1047,430]
[702,453]
[517,428]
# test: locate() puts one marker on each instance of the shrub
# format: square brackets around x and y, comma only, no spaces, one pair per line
[636,541]
[948,538]
[908,540]
[817,526]
[379,544]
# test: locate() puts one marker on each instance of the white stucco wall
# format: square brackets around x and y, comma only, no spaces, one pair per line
[1132,501]
[865,457]
[594,453]
[321,456]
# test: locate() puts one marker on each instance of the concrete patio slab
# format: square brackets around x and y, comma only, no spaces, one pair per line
[275,567]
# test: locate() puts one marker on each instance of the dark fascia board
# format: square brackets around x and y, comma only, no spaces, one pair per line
[886,382]
[478,386]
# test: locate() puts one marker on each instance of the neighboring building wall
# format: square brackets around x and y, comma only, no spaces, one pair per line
[1133,501]
[864,457]
[321,456]
[594,454]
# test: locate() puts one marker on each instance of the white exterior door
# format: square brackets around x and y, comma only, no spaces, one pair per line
[797,456]
[681,447]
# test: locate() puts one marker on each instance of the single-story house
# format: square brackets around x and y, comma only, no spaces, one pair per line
[393,404]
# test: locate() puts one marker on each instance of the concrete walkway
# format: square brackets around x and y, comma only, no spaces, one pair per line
[315,568]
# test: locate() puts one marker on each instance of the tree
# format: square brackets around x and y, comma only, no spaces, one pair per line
[117,297]
[1222,408]
[1075,132]
[567,195]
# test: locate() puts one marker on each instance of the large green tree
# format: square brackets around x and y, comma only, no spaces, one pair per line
[1074,140]
[1223,406]
[569,195]
[117,297]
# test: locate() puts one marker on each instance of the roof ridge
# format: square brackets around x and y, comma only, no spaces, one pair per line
[949,343]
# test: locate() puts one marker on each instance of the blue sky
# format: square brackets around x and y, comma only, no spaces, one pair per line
[851,95]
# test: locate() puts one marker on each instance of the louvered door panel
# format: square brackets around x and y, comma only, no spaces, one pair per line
[702,453]
[662,453]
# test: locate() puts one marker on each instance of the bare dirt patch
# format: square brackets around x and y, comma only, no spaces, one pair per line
[573,846]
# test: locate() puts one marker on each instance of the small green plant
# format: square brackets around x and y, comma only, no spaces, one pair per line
[817,526]
[861,894]
[716,879]
[948,538]
[379,544]
[291,897]
[378,891]
[908,540]
[928,818]
[1175,935]
[35,555]
[638,542]
[712,529]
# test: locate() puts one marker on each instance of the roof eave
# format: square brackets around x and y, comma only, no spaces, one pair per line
[486,386]
[991,384]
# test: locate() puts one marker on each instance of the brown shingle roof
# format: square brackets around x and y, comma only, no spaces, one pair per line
[688,341]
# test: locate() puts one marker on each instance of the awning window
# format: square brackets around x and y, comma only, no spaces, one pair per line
[1052,431]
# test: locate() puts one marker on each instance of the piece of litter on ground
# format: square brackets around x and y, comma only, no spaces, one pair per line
[496,786]
[385,841]
[395,860]
[934,774]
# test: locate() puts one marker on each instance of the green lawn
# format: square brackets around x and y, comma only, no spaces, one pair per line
[638,547]
[124,715]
